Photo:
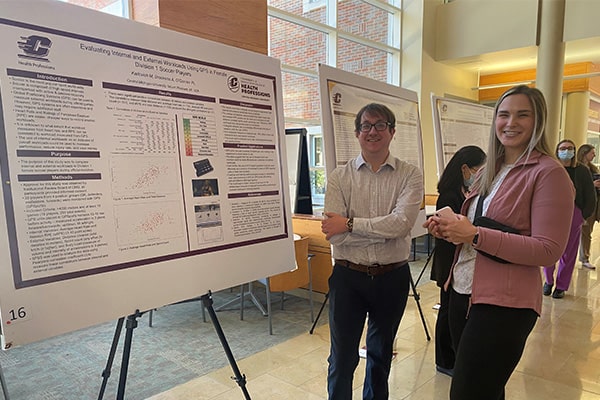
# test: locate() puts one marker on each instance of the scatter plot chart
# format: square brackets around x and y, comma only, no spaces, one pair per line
[148,222]
[144,176]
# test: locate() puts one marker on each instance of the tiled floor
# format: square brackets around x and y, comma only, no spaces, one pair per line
[561,360]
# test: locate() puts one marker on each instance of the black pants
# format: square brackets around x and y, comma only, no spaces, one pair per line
[490,348]
[444,350]
[353,295]
[458,308]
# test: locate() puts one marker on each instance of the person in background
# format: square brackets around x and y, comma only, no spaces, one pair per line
[371,204]
[522,186]
[585,204]
[454,184]
[585,155]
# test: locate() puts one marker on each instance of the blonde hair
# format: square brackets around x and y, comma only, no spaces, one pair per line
[537,142]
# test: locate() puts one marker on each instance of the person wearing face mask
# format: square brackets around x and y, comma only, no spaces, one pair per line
[458,176]
[586,155]
[585,204]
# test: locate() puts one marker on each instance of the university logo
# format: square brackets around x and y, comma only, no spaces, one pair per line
[337,98]
[233,83]
[35,47]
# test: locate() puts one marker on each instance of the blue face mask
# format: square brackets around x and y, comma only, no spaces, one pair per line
[566,154]
[469,182]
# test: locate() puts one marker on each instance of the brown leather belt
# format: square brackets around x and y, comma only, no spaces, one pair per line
[371,270]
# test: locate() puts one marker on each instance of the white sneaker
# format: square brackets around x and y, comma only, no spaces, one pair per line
[588,265]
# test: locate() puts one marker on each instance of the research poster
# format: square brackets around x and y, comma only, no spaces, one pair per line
[134,160]
[457,124]
[343,94]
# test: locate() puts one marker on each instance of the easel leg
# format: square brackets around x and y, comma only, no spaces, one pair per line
[3,383]
[424,267]
[319,314]
[417,298]
[111,357]
[129,327]
[239,378]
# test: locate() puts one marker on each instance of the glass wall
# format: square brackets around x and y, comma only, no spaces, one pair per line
[358,36]
[120,8]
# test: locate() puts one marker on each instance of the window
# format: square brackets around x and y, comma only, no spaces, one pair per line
[359,36]
[120,8]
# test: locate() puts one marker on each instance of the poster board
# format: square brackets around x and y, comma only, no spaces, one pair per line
[457,124]
[140,167]
[343,94]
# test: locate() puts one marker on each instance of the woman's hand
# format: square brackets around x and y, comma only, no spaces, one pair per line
[432,227]
[459,230]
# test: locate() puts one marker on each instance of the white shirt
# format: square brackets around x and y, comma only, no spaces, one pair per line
[462,274]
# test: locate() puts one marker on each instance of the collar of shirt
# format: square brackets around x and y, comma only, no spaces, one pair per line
[360,161]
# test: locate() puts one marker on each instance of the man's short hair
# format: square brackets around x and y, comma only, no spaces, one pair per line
[375,109]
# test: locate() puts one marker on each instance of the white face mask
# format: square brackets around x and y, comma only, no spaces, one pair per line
[566,154]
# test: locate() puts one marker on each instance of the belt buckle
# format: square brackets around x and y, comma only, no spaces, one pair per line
[374,267]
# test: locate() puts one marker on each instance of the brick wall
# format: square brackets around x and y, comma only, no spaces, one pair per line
[305,48]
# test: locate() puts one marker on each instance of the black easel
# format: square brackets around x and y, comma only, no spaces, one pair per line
[312,328]
[416,296]
[425,266]
[132,324]
[239,378]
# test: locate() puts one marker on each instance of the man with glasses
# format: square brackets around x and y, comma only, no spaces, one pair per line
[371,204]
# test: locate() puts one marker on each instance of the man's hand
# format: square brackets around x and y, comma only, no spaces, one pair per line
[333,224]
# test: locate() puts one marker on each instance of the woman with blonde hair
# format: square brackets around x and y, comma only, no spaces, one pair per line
[516,219]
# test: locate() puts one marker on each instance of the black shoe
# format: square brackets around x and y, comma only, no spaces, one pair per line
[445,371]
[558,294]
[547,289]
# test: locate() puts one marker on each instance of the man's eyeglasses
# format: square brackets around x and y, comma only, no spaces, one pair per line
[379,126]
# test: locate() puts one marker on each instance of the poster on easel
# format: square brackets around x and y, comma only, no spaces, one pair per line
[343,94]
[457,124]
[140,167]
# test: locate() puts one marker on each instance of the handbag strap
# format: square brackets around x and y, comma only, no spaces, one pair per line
[479,209]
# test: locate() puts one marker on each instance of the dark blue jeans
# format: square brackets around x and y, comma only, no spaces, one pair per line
[353,295]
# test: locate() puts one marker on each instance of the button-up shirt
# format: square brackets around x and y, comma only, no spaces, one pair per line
[384,205]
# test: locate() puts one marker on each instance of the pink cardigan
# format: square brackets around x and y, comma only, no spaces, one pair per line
[537,198]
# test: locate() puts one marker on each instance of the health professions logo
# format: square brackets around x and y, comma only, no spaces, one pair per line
[35,47]
[233,83]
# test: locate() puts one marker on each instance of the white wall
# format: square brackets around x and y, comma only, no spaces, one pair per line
[468,28]
[581,19]
[421,73]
